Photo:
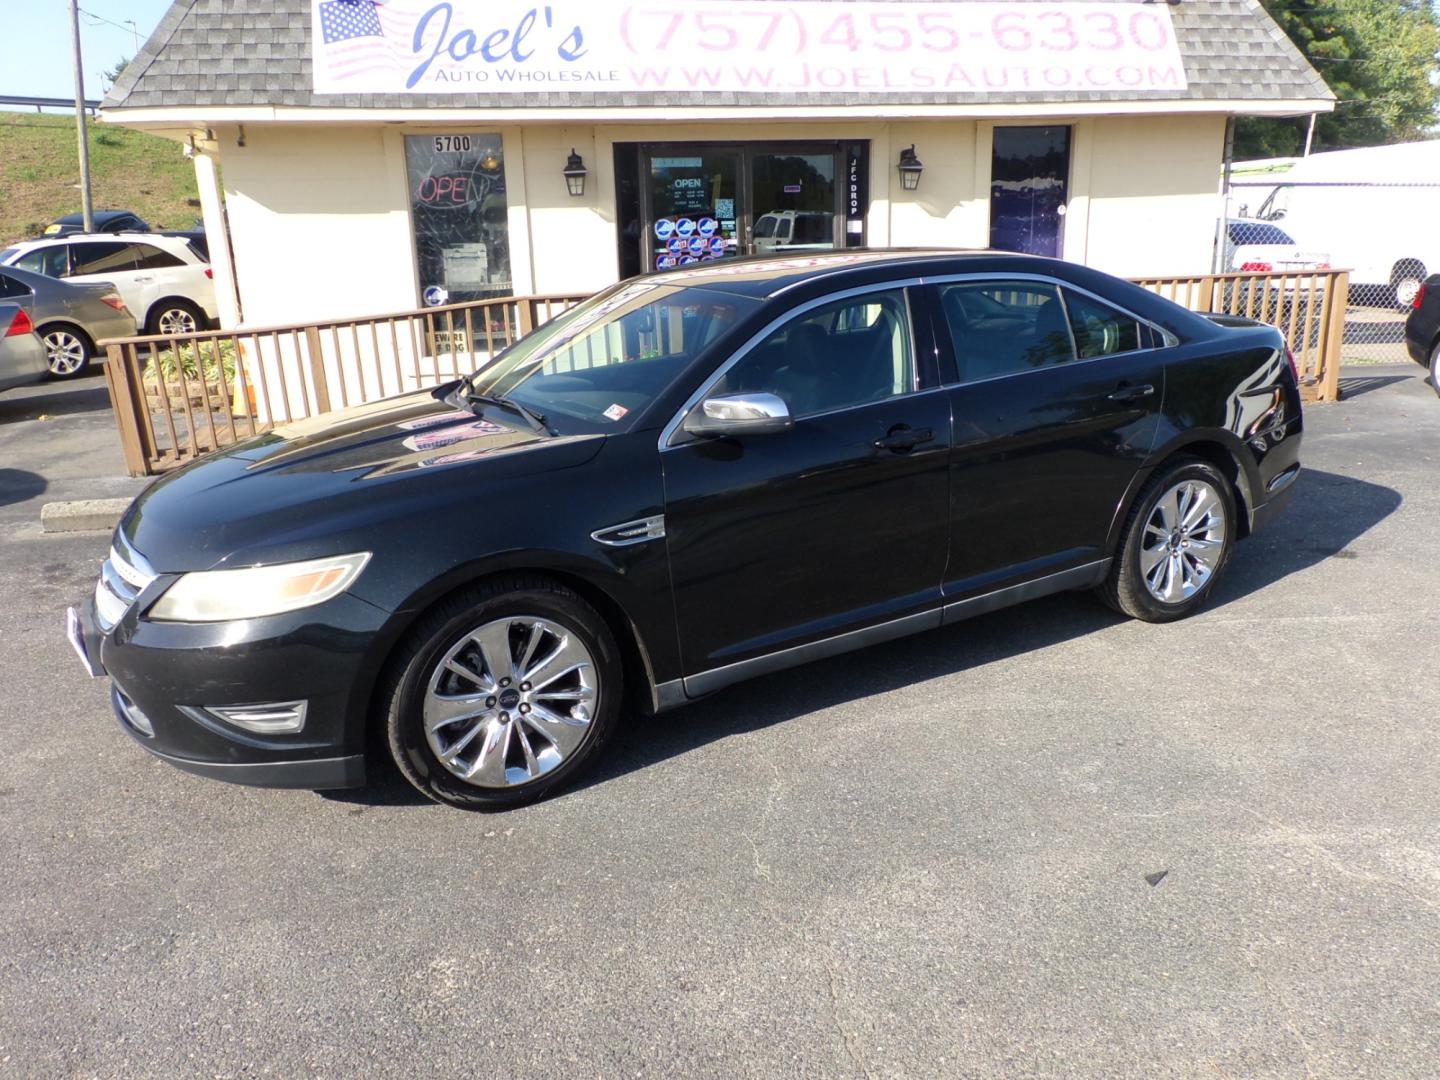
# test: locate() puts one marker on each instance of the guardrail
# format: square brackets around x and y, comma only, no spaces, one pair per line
[1308,307]
[42,103]
[176,398]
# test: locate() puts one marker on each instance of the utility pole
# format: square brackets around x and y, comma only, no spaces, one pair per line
[1310,135]
[87,210]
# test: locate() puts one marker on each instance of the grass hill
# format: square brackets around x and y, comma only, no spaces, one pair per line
[129,170]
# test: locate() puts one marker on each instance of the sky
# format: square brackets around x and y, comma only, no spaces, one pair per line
[37,43]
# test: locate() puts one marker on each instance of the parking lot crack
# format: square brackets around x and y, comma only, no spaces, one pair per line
[847,1037]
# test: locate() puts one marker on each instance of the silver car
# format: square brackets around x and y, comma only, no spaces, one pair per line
[22,354]
[71,318]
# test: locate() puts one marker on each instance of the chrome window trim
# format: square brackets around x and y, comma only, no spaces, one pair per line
[1169,340]
[668,432]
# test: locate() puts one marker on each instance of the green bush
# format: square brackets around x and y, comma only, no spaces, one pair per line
[176,361]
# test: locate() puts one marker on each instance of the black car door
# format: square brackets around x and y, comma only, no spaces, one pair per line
[839,523]
[1056,408]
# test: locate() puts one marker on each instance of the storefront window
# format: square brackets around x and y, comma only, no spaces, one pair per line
[458,214]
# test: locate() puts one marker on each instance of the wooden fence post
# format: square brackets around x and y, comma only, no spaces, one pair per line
[1206,300]
[1329,388]
[125,400]
[315,357]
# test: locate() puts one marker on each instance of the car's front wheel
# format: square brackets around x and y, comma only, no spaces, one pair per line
[67,351]
[1176,543]
[501,694]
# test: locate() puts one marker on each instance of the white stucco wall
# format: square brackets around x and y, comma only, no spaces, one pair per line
[321,224]
[1154,198]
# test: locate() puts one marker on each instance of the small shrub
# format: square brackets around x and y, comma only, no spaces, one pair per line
[177,361]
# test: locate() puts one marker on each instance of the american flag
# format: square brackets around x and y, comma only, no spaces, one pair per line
[357,35]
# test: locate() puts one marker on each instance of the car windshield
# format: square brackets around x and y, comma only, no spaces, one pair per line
[6,255]
[608,358]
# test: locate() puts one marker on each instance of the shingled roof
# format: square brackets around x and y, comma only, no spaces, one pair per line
[228,53]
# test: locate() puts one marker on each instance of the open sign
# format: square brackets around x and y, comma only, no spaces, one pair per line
[447,191]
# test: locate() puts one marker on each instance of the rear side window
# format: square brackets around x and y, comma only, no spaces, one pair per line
[1099,329]
[152,258]
[11,288]
[1005,327]
[102,258]
[49,261]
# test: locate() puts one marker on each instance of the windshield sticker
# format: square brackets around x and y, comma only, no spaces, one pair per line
[436,439]
[615,412]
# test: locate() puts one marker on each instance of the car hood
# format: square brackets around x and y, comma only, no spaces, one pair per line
[281,494]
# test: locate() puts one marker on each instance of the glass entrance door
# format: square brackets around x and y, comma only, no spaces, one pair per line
[692,206]
[792,201]
[702,202]
[1029,178]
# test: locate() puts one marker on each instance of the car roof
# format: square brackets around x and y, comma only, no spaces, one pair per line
[770,275]
[98,215]
[70,238]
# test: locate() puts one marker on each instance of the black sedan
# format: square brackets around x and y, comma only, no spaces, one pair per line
[691,479]
[1422,329]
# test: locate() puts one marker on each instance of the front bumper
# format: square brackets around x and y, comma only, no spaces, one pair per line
[164,675]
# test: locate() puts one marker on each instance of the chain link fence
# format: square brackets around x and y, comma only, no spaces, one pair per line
[1383,233]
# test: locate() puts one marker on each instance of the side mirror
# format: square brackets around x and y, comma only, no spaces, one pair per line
[739,414]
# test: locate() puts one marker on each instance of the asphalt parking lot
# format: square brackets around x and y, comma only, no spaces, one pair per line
[1046,842]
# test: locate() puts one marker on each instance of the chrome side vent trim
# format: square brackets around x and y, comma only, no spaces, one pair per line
[631,532]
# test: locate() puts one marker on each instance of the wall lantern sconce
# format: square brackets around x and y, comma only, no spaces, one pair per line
[910,169]
[575,173]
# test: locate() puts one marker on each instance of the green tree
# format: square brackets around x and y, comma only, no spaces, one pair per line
[113,75]
[1380,57]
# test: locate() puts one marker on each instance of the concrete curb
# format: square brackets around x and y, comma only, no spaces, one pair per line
[82,515]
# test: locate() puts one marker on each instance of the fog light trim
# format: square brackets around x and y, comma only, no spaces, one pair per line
[265,718]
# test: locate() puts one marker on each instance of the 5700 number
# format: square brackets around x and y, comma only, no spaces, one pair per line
[452,144]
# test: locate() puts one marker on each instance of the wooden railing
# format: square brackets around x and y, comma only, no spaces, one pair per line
[176,398]
[1308,307]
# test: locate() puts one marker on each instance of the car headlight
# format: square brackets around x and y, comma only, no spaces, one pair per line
[253,591]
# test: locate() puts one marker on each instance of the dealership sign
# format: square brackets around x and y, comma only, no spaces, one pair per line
[742,46]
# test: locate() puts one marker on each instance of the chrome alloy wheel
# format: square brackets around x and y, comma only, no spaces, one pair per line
[510,701]
[64,352]
[1183,541]
[174,321]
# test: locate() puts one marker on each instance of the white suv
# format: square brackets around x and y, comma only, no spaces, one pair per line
[164,282]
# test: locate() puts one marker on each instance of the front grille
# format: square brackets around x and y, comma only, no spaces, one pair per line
[121,582]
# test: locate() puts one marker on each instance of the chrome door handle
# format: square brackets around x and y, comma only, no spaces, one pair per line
[902,439]
[1132,393]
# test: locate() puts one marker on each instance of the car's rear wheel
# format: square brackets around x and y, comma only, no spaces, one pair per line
[502,694]
[1176,543]
[67,351]
[175,317]
[1435,368]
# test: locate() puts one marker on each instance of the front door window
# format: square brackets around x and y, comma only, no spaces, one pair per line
[1029,177]
[793,199]
[693,207]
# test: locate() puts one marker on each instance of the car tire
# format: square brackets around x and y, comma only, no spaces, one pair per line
[1435,368]
[1405,281]
[68,350]
[173,317]
[1161,571]
[463,722]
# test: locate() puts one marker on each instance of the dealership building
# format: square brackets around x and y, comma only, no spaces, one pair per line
[373,157]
